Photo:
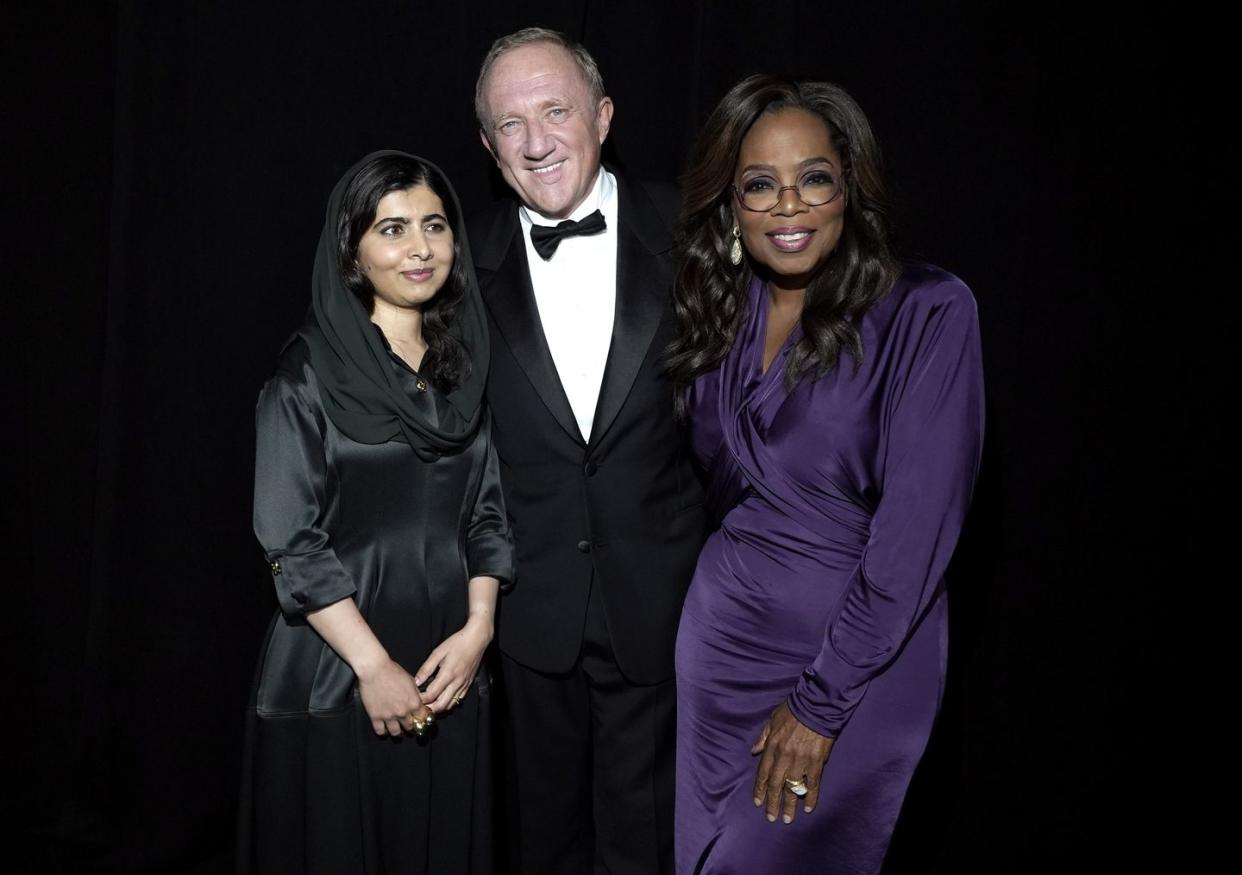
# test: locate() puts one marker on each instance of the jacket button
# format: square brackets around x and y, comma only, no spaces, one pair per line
[584,546]
[591,468]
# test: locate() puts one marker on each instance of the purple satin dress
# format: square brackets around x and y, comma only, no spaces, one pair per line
[839,505]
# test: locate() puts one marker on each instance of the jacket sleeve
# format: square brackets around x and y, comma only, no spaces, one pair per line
[290,476]
[489,543]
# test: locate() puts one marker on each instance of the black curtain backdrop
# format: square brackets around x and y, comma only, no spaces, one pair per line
[173,163]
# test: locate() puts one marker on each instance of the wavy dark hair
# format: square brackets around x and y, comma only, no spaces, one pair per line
[709,294]
[446,362]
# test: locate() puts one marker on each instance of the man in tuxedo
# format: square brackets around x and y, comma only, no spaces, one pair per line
[606,511]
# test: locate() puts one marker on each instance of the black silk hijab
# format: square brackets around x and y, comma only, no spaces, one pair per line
[358,385]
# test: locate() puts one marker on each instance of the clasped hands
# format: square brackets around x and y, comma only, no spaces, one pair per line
[397,702]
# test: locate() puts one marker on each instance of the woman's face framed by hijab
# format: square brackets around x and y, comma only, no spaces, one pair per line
[407,252]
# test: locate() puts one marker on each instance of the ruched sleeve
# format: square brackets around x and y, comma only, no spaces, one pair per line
[933,435]
[289,486]
[489,544]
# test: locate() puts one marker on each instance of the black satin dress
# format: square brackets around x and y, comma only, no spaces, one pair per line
[400,535]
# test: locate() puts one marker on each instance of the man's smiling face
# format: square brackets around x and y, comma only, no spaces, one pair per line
[544,128]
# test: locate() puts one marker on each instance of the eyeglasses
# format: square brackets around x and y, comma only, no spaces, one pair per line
[762,193]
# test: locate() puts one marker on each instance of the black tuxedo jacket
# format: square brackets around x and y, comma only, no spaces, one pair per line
[626,506]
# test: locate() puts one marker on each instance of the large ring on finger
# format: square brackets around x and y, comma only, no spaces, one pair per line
[798,788]
[419,726]
[431,717]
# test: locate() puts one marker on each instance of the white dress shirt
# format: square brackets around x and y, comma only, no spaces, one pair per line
[576,292]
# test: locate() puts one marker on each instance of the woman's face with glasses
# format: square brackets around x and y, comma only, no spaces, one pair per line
[789,196]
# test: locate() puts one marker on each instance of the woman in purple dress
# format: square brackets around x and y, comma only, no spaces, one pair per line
[835,402]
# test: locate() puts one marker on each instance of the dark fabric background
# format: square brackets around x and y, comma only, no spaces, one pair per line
[173,162]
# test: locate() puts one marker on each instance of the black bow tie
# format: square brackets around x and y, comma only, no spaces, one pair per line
[546,238]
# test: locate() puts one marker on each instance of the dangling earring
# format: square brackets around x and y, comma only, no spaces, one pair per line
[735,251]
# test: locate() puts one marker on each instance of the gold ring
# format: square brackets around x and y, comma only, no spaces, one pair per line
[798,788]
[457,700]
[431,717]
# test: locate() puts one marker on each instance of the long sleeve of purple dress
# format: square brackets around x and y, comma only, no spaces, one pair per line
[932,431]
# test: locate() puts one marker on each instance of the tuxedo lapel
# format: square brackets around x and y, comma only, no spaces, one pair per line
[644,278]
[504,281]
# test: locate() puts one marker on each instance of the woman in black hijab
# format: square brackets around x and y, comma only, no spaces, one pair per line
[378,505]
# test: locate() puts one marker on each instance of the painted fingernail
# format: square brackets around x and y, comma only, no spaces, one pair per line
[771,818]
[758,801]
[806,808]
[788,819]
